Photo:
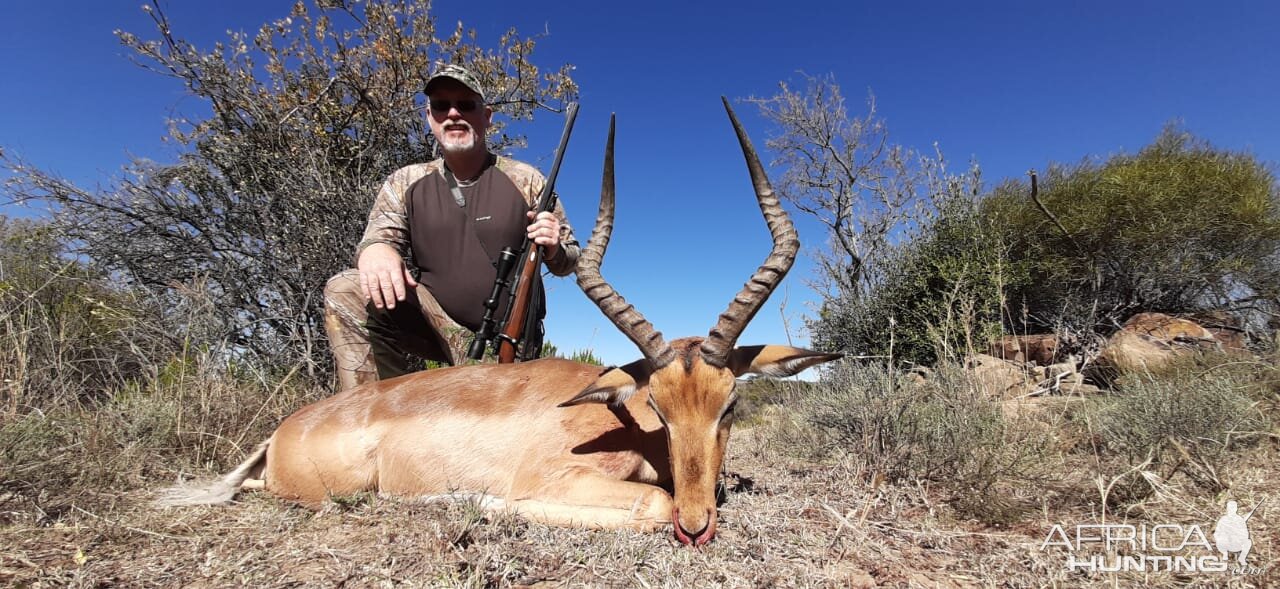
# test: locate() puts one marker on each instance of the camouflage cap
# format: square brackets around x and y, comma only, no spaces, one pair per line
[456,73]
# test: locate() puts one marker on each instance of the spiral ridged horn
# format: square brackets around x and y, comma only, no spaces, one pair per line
[720,341]
[622,314]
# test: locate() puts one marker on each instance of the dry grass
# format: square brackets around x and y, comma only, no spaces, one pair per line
[946,430]
[785,524]
[76,481]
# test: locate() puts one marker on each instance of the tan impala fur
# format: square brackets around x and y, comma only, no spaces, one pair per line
[637,446]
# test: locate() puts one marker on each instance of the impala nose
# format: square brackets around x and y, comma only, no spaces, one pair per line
[706,529]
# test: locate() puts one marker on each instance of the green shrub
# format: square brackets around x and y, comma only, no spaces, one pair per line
[65,332]
[757,394]
[587,356]
[940,296]
[1179,227]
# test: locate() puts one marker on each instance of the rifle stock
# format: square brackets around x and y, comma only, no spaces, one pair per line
[517,318]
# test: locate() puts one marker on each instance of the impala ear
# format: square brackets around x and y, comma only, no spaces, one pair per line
[775,360]
[615,385]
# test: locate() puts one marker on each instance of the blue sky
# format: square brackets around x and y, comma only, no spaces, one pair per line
[1012,85]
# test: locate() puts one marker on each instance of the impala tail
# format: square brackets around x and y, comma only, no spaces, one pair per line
[218,491]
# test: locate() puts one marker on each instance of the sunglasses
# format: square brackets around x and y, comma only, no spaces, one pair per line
[463,106]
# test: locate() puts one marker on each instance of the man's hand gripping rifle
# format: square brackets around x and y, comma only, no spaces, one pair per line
[520,319]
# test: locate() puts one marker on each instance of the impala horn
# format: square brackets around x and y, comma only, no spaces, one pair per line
[720,341]
[624,315]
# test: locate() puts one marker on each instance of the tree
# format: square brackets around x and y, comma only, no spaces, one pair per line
[305,119]
[844,172]
[873,196]
[1179,227]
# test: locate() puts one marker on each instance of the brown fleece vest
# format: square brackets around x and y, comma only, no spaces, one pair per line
[456,248]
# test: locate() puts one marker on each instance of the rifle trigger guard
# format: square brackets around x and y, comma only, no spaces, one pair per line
[506,338]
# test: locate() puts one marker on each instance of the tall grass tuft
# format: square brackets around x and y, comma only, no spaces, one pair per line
[105,389]
[1185,421]
[946,431]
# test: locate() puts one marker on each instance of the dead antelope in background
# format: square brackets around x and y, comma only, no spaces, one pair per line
[623,437]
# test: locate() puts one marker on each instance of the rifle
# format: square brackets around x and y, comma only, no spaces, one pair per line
[519,321]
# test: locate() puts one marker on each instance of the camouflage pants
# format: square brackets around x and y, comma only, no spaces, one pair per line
[371,344]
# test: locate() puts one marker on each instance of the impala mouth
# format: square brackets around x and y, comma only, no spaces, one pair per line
[693,538]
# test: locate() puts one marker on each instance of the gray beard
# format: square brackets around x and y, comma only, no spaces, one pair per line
[458,147]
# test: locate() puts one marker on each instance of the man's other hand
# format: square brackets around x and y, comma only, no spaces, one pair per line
[383,275]
[544,230]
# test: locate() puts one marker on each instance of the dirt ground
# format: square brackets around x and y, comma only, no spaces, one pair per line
[783,524]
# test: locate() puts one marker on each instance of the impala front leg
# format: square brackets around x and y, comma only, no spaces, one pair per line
[584,497]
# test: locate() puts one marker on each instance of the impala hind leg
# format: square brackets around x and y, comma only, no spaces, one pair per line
[583,497]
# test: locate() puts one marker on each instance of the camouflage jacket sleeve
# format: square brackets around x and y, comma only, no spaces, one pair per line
[530,182]
[389,217]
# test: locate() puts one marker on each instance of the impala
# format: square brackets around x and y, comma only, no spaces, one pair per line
[622,438]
